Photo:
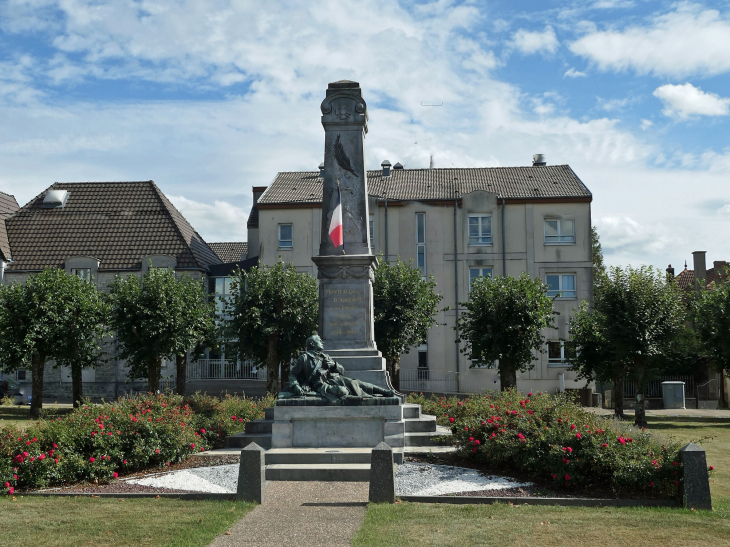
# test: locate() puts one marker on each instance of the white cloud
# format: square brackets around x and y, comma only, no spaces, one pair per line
[724,210]
[683,101]
[573,73]
[686,41]
[646,124]
[220,221]
[535,42]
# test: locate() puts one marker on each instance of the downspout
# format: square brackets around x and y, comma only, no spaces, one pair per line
[456,290]
[386,226]
[504,250]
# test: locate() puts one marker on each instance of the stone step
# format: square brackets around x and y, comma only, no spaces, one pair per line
[242,440]
[324,455]
[259,426]
[411,410]
[421,438]
[269,413]
[422,424]
[341,472]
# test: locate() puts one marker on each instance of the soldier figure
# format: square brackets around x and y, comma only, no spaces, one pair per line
[317,372]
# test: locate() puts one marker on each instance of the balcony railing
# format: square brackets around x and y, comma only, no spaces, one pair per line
[423,379]
[224,369]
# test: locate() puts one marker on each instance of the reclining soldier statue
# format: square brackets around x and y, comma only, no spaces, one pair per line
[316,373]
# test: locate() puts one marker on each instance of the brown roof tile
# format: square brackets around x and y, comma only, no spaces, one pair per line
[116,222]
[553,181]
[8,206]
[230,251]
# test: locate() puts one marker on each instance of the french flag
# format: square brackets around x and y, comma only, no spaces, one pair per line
[336,222]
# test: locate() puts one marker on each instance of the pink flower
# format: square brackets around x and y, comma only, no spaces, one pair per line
[27,442]
[240,419]
[55,460]
[233,418]
[202,431]
[34,439]
[471,439]
[477,442]
[157,450]
[712,468]
[125,462]
[55,445]
[42,457]
[92,459]
[11,490]
[529,394]
[115,474]
[25,454]
[577,435]
[7,485]
[202,449]
[451,420]
[192,445]
[622,440]
[572,427]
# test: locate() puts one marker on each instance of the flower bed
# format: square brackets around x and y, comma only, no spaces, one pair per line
[97,442]
[551,439]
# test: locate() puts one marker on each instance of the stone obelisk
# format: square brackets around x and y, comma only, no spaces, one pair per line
[346,272]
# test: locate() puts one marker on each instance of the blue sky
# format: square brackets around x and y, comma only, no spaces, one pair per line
[210,98]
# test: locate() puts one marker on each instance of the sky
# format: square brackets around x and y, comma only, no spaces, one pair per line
[209,98]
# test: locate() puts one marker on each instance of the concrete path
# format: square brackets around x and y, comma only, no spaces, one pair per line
[302,513]
[705,413]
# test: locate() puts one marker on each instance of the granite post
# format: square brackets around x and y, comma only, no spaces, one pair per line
[346,272]
[252,475]
[695,489]
[382,475]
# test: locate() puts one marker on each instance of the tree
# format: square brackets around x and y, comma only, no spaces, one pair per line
[405,308]
[160,316]
[599,267]
[712,323]
[503,321]
[637,315]
[52,316]
[272,312]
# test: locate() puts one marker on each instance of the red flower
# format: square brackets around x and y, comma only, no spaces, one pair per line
[572,427]
[157,450]
[471,439]
[42,457]
[11,490]
[56,460]
[651,483]
[712,468]
[567,477]
[675,464]
[92,459]
[125,462]
[622,440]
[233,418]
[529,394]
[577,435]
[192,445]
[240,419]
[55,445]
[34,439]
[555,476]
[477,442]
[27,442]
[116,474]
[676,483]
[451,420]
[7,485]
[202,431]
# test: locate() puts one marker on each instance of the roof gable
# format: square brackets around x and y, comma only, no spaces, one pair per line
[118,222]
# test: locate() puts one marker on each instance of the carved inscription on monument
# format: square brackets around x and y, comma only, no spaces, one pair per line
[345,306]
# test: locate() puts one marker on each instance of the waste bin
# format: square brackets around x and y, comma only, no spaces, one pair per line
[673,394]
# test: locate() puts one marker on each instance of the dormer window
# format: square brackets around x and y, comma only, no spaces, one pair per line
[54,199]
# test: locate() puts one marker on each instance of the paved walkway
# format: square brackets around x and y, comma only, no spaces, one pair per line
[673,412]
[302,513]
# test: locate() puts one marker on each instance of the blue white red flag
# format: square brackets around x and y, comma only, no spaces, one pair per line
[335,230]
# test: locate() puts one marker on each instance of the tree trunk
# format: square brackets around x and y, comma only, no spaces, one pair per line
[153,375]
[77,386]
[507,376]
[37,369]
[272,365]
[285,369]
[618,388]
[641,388]
[181,364]
[392,365]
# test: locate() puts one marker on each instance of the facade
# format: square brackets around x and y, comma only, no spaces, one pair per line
[99,230]
[455,224]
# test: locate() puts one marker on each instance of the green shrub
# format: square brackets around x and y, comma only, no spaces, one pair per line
[95,442]
[551,439]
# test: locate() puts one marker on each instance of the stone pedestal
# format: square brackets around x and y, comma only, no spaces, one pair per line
[382,475]
[695,489]
[252,475]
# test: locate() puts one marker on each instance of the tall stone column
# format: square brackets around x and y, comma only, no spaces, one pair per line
[345,273]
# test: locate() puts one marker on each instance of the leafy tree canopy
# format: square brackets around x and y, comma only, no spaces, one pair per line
[712,323]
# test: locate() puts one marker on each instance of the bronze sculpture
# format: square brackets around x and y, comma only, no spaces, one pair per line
[316,373]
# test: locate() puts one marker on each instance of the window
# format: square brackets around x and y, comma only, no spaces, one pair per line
[372,234]
[83,273]
[560,285]
[475,273]
[421,242]
[480,229]
[222,291]
[559,231]
[423,362]
[20,375]
[286,240]
[558,353]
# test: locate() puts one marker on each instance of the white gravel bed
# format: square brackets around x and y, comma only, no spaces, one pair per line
[423,479]
[411,479]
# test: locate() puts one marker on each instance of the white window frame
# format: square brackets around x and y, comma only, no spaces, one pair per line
[484,239]
[560,238]
[558,362]
[484,271]
[421,244]
[290,246]
[559,294]
[83,273]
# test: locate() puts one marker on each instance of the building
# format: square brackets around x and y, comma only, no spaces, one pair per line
[8,206]
[455,224]
[98,230]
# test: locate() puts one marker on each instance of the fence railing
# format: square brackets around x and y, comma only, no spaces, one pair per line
[427,380]
[227,369]
[709,391]
[654,389]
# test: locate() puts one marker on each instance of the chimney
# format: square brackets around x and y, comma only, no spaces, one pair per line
[700,268]
[538,160]
[670,272]
[321,170]
[386,168]
[398,166]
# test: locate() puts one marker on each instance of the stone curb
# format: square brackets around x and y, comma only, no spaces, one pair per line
[566,502]
[133,495]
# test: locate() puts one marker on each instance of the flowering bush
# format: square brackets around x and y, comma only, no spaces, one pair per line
[96,442]
[550,438]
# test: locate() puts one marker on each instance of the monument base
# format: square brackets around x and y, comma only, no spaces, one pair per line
[351,400]
[338,426]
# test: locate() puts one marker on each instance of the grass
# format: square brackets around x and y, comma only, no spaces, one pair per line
[19,416]
[72,522]
[424,525]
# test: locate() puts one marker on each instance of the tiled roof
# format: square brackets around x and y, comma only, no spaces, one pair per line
[230,251]
[116,222]
[685,279]
[553,181]
[253,217]
[8,206]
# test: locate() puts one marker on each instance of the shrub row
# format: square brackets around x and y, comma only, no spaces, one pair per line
[97,442]
[551,439]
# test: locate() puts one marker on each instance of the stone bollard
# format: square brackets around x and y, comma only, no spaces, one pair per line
[695,490]
[382,475]
[252,475]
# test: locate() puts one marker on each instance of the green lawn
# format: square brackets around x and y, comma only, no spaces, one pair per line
[501,524]
[72,522]
[19,416]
